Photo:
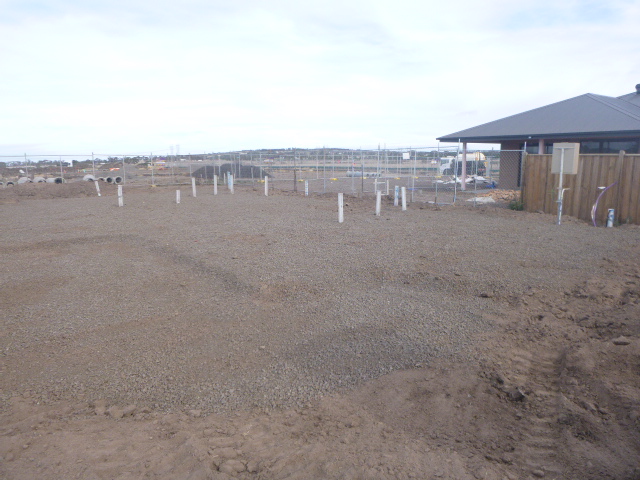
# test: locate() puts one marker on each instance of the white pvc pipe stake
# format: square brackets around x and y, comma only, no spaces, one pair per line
[340,207]
[404,198]
[120,198]
[98,187]
[215,184]
[177,196]
[193,186]
[306,188]
[396,196]
[266,186]
[230,179]
[378,202]
[387,194]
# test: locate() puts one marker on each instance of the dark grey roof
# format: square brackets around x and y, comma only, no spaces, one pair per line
[632,97]
[585,116]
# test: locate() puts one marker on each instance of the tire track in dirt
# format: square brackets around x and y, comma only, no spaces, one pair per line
[542,439]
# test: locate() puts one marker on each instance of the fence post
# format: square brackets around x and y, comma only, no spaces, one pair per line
[619,190]
[435,201]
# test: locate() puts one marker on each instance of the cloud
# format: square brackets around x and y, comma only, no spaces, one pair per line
[215,75]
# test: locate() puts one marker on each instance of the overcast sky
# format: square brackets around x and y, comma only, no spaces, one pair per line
[140,76]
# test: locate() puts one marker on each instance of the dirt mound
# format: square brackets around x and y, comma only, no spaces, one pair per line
[503,196]
[39,191]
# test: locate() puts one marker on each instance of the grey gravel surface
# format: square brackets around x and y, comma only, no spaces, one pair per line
[239,301]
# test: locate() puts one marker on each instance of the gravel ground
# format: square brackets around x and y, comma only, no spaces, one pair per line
[250,337]
[244,300]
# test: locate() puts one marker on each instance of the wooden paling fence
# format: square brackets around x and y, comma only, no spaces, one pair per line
[540,187]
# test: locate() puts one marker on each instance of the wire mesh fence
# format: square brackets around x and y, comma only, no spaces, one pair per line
[429,175]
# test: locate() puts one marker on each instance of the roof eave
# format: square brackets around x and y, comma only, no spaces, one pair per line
[545,136]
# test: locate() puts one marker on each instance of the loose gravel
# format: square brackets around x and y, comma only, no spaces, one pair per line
[240,301]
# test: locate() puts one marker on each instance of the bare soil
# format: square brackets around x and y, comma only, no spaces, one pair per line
[252,337]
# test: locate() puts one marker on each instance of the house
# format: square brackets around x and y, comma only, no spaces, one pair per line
[601,124]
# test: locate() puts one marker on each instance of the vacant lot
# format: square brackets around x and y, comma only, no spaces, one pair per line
[244,336]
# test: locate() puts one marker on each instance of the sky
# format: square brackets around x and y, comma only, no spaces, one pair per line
[150,76]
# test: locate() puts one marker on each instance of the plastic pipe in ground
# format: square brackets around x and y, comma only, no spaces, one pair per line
[378,202]
[610,217]
[266,186]
[340,207]
[404,198]
[215,184]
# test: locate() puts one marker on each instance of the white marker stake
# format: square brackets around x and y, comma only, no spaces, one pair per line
[387,194]
[266,186]
[306,188]
[98,187]
[340,207]
[404,198]
[215,184]
[396,196]
[193,186]
[120,198]
[378,203]
[177,196]
[231,183]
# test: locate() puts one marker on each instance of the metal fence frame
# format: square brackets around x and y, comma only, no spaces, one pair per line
[310,171]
